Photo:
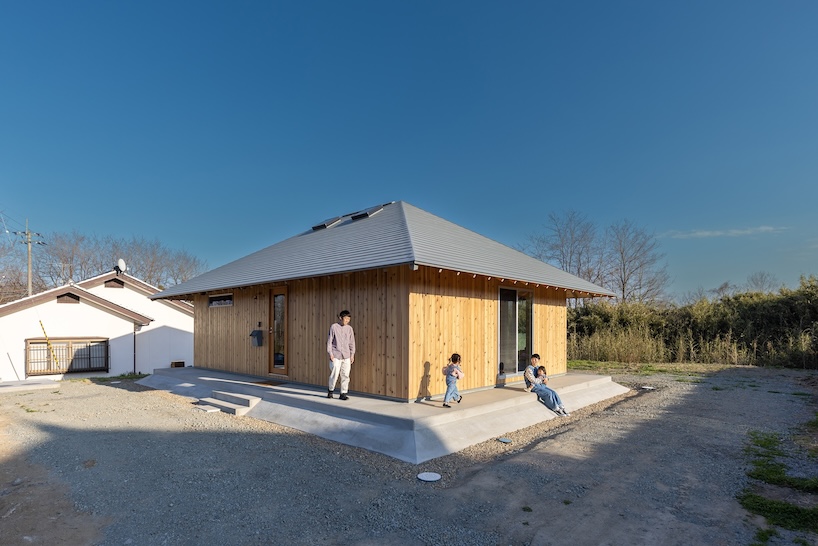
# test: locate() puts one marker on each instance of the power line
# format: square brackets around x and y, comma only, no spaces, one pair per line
[10,220]
[5,227]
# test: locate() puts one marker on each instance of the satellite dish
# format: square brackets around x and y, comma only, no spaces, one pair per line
[120,267]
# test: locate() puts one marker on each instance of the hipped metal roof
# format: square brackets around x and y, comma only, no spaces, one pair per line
[396,233]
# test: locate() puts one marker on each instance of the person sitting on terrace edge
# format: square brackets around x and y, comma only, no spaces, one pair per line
[546,394]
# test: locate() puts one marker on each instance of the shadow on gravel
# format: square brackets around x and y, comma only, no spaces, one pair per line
[663,467]
[126,384]
[660,468]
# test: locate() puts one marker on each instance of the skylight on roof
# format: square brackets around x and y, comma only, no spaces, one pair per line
[327,223]
[367,212]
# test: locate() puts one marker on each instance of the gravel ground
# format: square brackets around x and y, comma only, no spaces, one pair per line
[113,464]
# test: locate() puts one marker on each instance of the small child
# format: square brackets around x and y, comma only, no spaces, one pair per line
[547,395]
[453,373]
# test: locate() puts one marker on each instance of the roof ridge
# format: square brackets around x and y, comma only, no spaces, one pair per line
[406,229]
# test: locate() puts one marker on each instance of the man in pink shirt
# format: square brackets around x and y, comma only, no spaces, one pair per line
[341,350]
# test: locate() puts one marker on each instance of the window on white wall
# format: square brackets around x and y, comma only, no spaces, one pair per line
[63,355]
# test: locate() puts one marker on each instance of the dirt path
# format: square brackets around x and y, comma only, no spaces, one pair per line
[103,464]
[35,507]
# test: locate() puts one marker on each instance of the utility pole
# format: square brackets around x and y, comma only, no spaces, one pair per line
[26,235]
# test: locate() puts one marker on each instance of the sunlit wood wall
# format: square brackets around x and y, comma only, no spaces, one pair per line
[407,323]
[451,313]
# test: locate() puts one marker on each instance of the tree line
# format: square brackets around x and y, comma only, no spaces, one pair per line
[746,328]
[67,257]
[756,323]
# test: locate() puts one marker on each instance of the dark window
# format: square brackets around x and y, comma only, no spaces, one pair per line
[44,357]
[222,300]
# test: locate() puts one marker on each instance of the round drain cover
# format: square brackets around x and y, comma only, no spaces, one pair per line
[429,476]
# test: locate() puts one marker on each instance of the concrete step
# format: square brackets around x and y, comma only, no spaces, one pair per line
[225,406]
[236,398]
[207,409]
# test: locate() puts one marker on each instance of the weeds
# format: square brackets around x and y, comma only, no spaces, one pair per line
[763,536]
[124,376]
[766,441]
[609,368]
[765,448]
[781,514]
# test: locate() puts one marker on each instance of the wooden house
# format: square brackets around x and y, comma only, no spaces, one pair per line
[419,289]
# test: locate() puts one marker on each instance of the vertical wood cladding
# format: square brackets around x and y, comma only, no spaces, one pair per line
[377,300]
[407,323]
[451,313]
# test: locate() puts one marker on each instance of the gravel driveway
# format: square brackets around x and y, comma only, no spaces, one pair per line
[118,464]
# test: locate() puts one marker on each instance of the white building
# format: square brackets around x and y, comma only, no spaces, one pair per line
[103,326]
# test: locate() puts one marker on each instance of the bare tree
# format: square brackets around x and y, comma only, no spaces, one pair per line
[570,243]
[75,257]
[723,290]
[184,266]
[13,279]
[146,259]
[68,257]
[693,296]
[636,272]
[154,263]
[761,281]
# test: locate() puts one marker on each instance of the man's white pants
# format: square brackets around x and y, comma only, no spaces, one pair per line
[339,367]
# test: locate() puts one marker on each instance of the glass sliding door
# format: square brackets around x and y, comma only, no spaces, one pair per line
[516,333]
[525,337]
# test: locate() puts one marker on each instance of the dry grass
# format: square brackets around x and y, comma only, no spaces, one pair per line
[646,368]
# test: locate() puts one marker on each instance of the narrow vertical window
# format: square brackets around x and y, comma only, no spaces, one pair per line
[278,360]
[278,331]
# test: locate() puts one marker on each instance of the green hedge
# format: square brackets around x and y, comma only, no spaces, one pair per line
[750,328]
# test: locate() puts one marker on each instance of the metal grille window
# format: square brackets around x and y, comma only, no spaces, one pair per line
[74,355]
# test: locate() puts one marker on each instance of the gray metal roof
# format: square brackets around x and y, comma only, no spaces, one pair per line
[382,236]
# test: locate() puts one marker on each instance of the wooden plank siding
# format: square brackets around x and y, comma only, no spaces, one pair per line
[407,323]
[550,329]
[451,313]
[377,299]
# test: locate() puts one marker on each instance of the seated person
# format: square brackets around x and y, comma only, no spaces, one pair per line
[547,395]
[530,374]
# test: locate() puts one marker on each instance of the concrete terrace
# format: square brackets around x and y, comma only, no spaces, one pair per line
[413,432]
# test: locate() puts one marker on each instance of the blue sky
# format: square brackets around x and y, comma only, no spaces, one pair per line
[224,127]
